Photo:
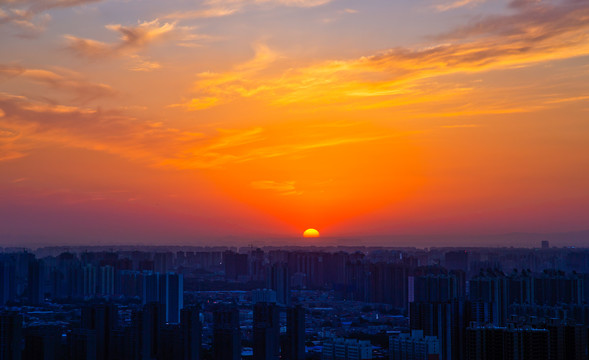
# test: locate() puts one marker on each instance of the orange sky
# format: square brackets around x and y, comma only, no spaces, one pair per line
[183,122]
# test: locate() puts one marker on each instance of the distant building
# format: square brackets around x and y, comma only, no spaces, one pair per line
[278,279]
[457,260]
[263,295]
[346,349]
[414,346]
[236,265]
[545,244]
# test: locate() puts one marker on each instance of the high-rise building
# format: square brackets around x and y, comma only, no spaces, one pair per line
[167,289]
[414,346]
[266,328]
[278,279]
[191,333]
[43,342]
[236,265]
[10,335]
[34,285]
[171,295]
[567,340]
[446,321]
[457,260]
[500,343]
[293,347]
[491,287]
[7,279]
[102,318]
[82,344]
[148,323]
[346,349]
[226,333]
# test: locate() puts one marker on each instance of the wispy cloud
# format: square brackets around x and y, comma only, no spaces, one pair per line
[534,33]
[280,187]
[75,84]
[457,4]
[131,39]
[220,8]
[29,15]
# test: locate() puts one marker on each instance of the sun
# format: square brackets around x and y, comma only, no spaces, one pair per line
[311,233]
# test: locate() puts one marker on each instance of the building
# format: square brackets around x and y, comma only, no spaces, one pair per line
[191,333]
[226,333]
[293,346]
[507,343]
[414,346]
[278,279]
[266,330]
[10,335]
[102,319]
[346,349]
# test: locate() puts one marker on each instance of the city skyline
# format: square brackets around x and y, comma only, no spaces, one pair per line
[188,122]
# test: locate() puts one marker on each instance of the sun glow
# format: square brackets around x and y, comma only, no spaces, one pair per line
[311,233]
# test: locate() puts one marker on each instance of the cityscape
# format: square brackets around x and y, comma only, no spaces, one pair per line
[296,303]
[294,180]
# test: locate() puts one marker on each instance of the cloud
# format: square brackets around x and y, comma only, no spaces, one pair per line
[131,39]
[457,4]
[282,188]
[29,15]
[83,91]
[533,34]
[29,125]
[460,126]
[220,8]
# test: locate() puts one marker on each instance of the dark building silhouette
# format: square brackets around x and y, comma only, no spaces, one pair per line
[235,265]
[278,279]
[7,279]
[44,343]
[102,318]
[266,328]
[10,335]
[226,333]
[35,294]
[148,323]
[293,346]
[170,347]
[567,341]
[457,260]
[82,344]
[445,320]
[507,343]
[191,333]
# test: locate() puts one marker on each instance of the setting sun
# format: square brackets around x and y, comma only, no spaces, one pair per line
[311,233]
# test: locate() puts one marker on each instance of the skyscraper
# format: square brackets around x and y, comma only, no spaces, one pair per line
[226,333]
[102,318]
[278,279]
[266,331]
[191,333]
[293,348]
[10,335]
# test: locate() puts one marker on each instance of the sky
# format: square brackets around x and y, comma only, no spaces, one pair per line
[190,122]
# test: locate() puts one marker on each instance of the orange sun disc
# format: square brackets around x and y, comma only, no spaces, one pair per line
[311,233]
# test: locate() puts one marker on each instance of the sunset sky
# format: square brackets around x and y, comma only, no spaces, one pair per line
[185,121]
